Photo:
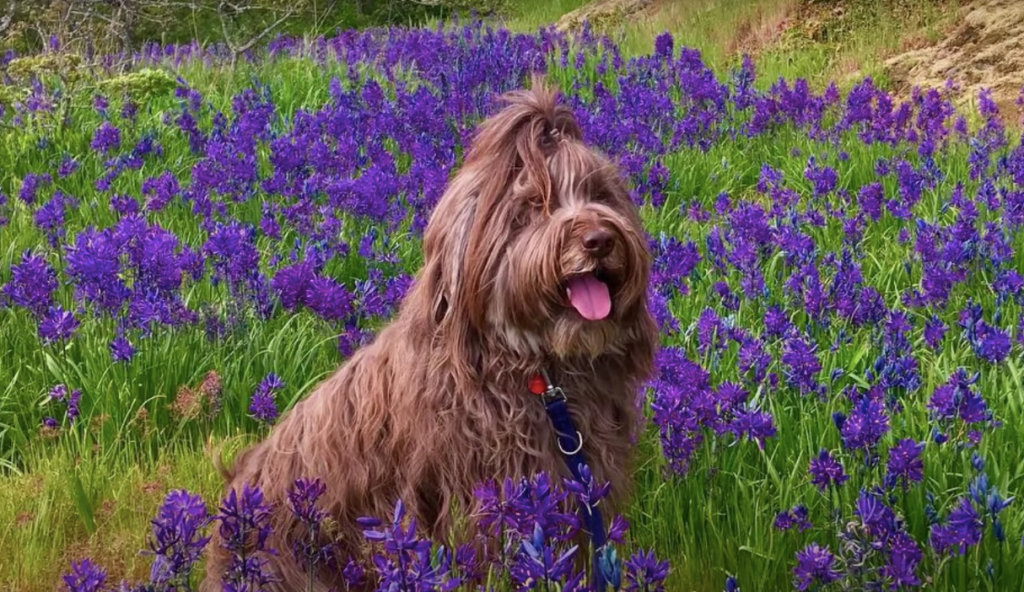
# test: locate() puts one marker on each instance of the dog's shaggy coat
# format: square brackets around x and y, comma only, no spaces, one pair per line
[439,401]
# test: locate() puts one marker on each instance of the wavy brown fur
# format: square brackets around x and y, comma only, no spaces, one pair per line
[438,402]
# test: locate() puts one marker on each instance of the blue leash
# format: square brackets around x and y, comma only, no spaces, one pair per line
[570,443]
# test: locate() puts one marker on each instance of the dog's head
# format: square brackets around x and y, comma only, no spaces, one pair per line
[536,242]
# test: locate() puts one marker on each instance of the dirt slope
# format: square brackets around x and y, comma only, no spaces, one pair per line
[986,50]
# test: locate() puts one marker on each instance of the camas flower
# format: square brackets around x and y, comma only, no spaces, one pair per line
[934,332]
[802,365]
[177,540]
[263,408]
[31,185]
[795,517]
[645,572]
[106,138]
[58,325]
[121,350]
[309,547]
[815,567]
[957,401]
[962,529]
[905,464]
[710,331]
[85,576]
[538,562]
[33,282]
[244,529]
[867,422]
[407,562]
[826,470]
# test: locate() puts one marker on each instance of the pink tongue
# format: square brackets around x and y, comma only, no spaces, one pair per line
[589,296]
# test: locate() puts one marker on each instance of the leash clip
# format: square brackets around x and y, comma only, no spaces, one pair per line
[554,393]
[542,386]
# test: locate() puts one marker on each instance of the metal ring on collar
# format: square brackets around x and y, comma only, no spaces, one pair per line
[579,445]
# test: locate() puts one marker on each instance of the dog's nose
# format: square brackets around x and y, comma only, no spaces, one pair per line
[598,242]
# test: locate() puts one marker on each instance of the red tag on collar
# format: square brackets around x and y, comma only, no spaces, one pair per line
[538,385]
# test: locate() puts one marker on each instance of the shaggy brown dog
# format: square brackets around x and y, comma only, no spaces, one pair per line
[534,258]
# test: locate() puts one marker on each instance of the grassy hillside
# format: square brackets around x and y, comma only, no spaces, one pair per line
[837,279]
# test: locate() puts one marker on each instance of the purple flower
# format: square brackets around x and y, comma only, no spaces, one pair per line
[934,332]
[328,299]
[645,573]
[962,529]
[85,576]
[106,138]
[310,547]
[73,405]
[177,540]
[994,345]
[100,104]
[539,562]
[684,404]
[129,110]
[57,325]
[901,565]
[160,191]
[826,470]
[263,408]
[407,563]
[815,566]
[123,204]
[710,332]
[30,186]
[867,423]
[753,358]
[32,284]
[588,491]
[802,365]
[757,425]
[823,178]
[244,529]
[351,339]
[663,46]
[50,217]
[776,322]
[796,517]
[292,284]
[905,463]
[121,350]
[871,198]
[957,401]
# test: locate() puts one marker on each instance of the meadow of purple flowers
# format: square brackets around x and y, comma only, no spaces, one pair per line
[838,403]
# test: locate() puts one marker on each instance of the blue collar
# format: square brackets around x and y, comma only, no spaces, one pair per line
[570,443]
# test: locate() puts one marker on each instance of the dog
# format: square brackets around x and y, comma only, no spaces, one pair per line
[535,260]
